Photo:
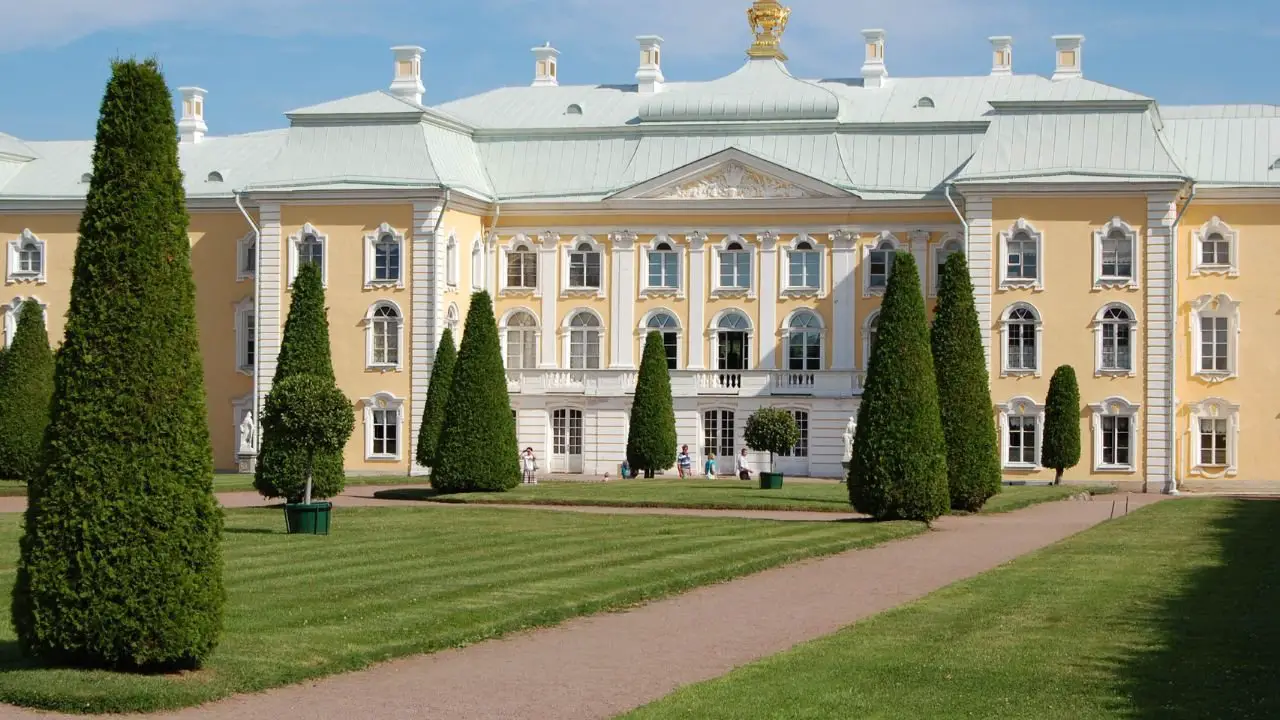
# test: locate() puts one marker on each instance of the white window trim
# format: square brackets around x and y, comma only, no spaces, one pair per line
[1008,283]
[383,401]
[566,336]
[713,335]
[452,262]
[867,290]
[784,339]
[1098,322]
[784,269]
[1100,281]
[647,290]
[935,253]
[502,336]
[504,252]
[1005,370]
[1220,305]
[1215,409]
[15,246]
[295,240]
[1216,225]
[371,242]
[566,251]
[453,322]
[866,338]
[717,250]
[643,330]
[477,263]
[243,244]
[369,364]
[1020,407]
[244,309]
[1116,407]
[11,312]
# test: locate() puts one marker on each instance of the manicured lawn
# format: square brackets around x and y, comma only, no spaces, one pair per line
[1168,614]
[713,494]
[12,488]
[395,582]
[238,483]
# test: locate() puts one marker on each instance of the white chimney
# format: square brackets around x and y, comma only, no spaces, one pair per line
[407,82]
[1069,52]
[191,127]
[649,75]
[544,72]
[874,72]
[1001,55]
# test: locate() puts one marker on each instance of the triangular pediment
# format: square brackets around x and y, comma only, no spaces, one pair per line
[731,175]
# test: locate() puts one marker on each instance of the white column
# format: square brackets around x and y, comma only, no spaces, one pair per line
[844,285]
[1159,320]
[549,292]
[697,287]
[425,326]
[981,254]
[767,333]
[269,310]
[920,250]
[622,305]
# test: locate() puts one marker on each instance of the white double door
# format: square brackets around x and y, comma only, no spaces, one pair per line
[566,441]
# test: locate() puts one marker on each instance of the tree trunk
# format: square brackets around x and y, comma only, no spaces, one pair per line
[306,496]
[1057,476]
[648,473]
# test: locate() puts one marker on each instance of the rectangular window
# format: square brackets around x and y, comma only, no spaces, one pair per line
[1213,344]
[522,270]
[804,269]
[1116,352]
[584,350]
[664,270]
[1116,441]
[584,270]
[1022,259]
[248,262]
[801,450]
[250,339]
[671,343]
[881,265]
[1022,440]
[386,430]
[1117,259]
[1215,250]
[522,349]
[735,270]
[1022,346]
[1213,442]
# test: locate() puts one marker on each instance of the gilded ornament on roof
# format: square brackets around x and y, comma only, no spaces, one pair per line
[768,19]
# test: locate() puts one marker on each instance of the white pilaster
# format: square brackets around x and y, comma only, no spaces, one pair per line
[425,326]
[1160,317]
[980,253]
[269,313]
[768,331]
[844,283]
[694,334]
[549,290]
[622,307]
[920,250]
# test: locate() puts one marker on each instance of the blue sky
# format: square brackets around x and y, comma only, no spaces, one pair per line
[260,58]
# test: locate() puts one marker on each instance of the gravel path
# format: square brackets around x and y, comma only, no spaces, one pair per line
[599,666]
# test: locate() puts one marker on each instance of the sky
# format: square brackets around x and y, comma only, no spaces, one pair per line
[261,58]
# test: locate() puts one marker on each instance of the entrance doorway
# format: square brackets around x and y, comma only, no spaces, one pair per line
[566,441]
[717,432]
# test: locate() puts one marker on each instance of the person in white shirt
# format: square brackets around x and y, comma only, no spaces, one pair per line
[744,466]
[529,464]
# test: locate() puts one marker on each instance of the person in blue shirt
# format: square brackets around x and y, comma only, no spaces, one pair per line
[684,463]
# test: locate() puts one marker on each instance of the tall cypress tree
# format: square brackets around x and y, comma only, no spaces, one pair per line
[304,350]
[899,466]
[437,397]
[1060,444]
[964,391]
[651,437]
[477,450]
[121,563]
[26,387]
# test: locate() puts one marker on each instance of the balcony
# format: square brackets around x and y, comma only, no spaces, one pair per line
[690,383]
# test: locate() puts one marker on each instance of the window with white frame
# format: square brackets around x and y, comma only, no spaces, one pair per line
[1022,256]
[1215,249]
[520,332]
[585,267]
[941,253]
[735,266]
[246,336]
[383,425]
[247,257]
[584,341]
[1021,429]
[879,264]
[801,449]
[1115,251]
[12,312]
[1115,435]
[1215,431]
[477,265]
[1115,328]
[452,318]
[665,324]
[732,336]
[26,258]
[804,266]
[870,329]
[308,247]
[1215,328]
[1021,327]
[451,262]
[385,324]
[522,267]
[663,271]
[804,341]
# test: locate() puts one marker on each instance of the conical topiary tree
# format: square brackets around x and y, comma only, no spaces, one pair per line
[121,563]
[437,397]
[304,350]
[477,450]
[964,391]
[651,436]
[26,386]
[899,466]
[1060,444]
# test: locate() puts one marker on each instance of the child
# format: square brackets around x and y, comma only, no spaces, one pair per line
[625,470]
[684,462]
[709,467]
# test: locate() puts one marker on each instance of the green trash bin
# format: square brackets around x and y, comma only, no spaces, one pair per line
[308,519]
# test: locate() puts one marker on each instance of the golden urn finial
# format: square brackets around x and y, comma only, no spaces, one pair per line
[768,20]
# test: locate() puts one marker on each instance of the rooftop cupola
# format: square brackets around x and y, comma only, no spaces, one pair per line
[649,75]
[191,127]
[1001,55]
[544,67]
[406,84]
[768,20]
[1069,56]
[874,72]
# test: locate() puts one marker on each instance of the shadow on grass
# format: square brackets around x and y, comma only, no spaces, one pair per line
[1219,649]
[250,531]
[413,495]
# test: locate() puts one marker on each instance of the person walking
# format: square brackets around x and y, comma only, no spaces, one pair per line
[684,463]
[709,467]
[744,465]
[529,463]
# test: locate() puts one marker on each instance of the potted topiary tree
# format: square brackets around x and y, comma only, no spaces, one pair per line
[773,431]
[314,417]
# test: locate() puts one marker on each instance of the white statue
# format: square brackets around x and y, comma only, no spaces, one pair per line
[247,436]
[849,431]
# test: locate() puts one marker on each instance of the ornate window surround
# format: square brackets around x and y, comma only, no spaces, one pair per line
[566,337]
[935,257]
[1220,305]
[1020,406]
[713,336]
[452,262]
[1214,408]
[643,330]
[1008,283]
[11,312]
[784,269]
[371,241]
[866,337]
[243,310]
[295,241]
[15,247]
[453,320]
[246,244]
[1098,321]
[369,322]
[567,290]
[503,327]
[718,250]
[1005,370]
[1116,406]
[1216,225]
[517,241]
[682,265]
[383,401]
[1135,247]
[477,263]
[786,331]
[867,290]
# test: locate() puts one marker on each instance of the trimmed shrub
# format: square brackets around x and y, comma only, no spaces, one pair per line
[964,392]
[26,387]
[121,563]
[304,350]
[899,466]
[477,450]
[651,437]
[310,414]
[1060,444]
[437,397]
[771,430]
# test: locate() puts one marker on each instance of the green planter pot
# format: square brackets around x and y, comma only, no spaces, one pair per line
[313,519]
[770,481]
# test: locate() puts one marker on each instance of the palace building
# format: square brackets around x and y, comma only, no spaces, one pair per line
[752,220]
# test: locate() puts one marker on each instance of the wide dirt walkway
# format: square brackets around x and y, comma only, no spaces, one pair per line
[597,667]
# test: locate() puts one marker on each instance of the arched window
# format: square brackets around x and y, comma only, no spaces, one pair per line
[30,260]
[1216,249]
[308,247]
[477,265]
[26,258]
[522,267]
[246,336]
[1022,261]
[870,329]
[1115,327]
[804,267]
[804,342]
[666,324]
[1023,256]
[880,264]
[1115,251]
[584,267]
[735,267]
[584,341]
[1117,255]
[385,323]
[733,342]
[1021,340]
[450,261]
[940,257]
[521,330]
[663,267]
[310,251]
[451,320]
